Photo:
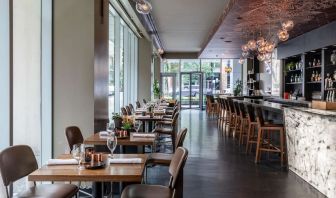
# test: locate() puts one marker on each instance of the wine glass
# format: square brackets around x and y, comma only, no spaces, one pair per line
[137,125]
[112,143]
[110,128]
[78,152]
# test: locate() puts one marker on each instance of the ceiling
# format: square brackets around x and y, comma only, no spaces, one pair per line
[183,25]
[245,19]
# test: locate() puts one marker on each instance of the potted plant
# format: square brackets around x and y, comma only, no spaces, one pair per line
[118,120]
[156,89]
[127,125]
[237,91]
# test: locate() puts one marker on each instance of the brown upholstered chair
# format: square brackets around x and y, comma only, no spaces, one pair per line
[123,111]
[138,105]
[128,110]
[131,107]
[19,161]
[154,191]
[165,158]
[74,136]
[170,130]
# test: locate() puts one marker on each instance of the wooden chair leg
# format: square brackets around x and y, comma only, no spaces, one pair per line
[282,146]
[248,137]
[258,146]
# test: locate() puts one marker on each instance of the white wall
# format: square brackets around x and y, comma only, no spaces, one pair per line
[144,70]
[73,69]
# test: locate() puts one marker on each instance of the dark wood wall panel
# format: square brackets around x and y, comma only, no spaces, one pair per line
[101,68]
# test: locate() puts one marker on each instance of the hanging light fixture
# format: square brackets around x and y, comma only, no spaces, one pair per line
[287,25]
[143,6]
[241,60]
[261,57]
[252,45]
[261,41]
[228,68]
[269,47]
[283,35]
[245,54]
[160,51]
[244,48]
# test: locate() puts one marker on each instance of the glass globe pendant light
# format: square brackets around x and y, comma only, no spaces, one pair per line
[287,25]
[143,7]
[241,60]
[261,57]
[261,41]
[252,45]
[283,35]
[245,48]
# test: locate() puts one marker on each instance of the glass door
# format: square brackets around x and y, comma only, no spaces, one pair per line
[191,93]
[168,85]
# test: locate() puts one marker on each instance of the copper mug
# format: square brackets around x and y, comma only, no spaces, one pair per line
[96,157]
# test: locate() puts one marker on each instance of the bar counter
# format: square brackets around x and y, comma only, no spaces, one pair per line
[311,146]
[311,142]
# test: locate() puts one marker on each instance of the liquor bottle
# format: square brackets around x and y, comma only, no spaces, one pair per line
[312,76]
[314,62]
[291,78]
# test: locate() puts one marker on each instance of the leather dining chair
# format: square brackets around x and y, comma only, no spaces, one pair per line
[128,110]
[170,130]
[19,161]
[131,107]
[123,111]
[74,136]
[175,187]
[165,158]
[138,105]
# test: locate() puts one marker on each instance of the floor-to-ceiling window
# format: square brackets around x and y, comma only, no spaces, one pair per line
[187,79]
[25,82]
[123,63]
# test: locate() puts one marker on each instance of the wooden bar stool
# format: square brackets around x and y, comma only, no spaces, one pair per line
[221,113]
[232,116]
[268,145]
[237,120]
[226,121]
[252,124]
[243,123]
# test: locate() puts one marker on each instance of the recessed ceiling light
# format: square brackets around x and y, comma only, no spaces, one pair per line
[239,18]
[227,41]
[313,51]
[222,38]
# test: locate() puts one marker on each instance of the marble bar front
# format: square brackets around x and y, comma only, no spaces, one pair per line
[311,146]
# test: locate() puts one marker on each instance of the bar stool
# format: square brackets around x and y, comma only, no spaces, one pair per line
[268,145]
[237,119]
[232,116]
[243,123]
[221,113]
[252,123]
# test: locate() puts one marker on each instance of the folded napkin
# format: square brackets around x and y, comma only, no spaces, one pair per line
[103,134]
[125,161]
[61,162]
[145,135]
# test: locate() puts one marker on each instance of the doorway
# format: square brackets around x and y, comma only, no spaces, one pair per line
[191,90]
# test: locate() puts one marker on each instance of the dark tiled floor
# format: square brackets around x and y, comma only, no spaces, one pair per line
[217,168]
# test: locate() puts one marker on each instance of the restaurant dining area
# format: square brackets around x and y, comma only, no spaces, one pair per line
[167,98]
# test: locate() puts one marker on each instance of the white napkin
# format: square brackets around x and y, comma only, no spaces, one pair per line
[125,161]
[144,135]
[61,162]
[103,134]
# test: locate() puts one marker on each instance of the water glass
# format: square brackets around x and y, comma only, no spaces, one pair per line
[111,143]
[137,125]
[78,153]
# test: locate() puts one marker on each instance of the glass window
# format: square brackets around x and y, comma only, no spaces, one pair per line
[123,63]
[171,66]
[190,65]
[27,77]
[212,75]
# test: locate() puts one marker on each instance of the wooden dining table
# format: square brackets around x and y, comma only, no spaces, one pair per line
[111,173]
[96,139]
[146,119]
[126,172]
